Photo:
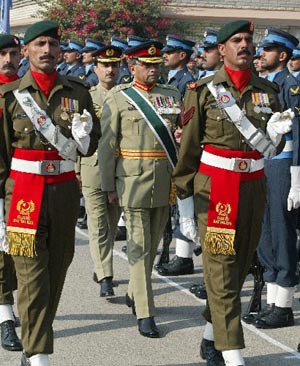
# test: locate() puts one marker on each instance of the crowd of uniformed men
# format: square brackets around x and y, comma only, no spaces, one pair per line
[104,115]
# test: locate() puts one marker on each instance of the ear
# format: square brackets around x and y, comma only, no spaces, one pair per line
[132,69]
[221,48]
[283,56]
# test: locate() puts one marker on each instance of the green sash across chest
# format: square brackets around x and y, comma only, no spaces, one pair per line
[155,122]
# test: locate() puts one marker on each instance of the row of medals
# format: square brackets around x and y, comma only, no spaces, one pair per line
[261,102]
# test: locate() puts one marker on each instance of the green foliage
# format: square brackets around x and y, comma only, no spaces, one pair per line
[101,19]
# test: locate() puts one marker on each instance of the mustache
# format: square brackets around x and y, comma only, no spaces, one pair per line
[9,66]
[245,51]
[47,57]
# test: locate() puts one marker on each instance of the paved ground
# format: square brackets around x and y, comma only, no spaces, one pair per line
[92,331]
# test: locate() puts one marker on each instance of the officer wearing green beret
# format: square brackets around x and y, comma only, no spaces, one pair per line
[102,217]
[9,61]
[137,123]
[229,136]
[48,120]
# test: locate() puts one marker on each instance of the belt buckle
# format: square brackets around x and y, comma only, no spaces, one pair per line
[242,165]
[50,167]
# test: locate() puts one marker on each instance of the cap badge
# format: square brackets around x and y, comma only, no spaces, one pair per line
[152,50]
[59,31]
[205,34]
[251,27]
[109,52]
[266,32]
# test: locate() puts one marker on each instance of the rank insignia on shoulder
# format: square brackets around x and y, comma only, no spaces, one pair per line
[186,115]
[295,90]
[192,86]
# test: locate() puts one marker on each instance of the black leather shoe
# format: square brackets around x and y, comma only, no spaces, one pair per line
[210,354]
[278,318]
[130,303]
[24,360]
[176,267]
[147,327]
[121,233]
[9,338]
[82,225]
[251,318]
[106,287]
[124,249]
[198,250]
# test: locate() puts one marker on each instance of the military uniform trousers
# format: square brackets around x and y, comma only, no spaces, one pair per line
[102,220]
[145,227]
[41,278]
[8,280]
[225,274]
[277,249]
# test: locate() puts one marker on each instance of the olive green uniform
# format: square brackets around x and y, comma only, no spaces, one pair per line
[142,182]
[224,274]
[41,278]
[102,217]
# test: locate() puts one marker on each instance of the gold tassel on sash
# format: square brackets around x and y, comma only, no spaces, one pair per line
[21,243]
[219,241]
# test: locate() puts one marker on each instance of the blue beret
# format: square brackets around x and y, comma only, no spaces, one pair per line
[74,46]
[278,38]
[43,28]
[234,27]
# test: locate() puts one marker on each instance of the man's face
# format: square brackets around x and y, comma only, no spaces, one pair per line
[43,54]
[211,58]
[257,64]
[173,59]
[87,58]
[295,64]
[271,58]
[107,72]
[238,51]
[9,60]
[72,57]
[145,73]
[199,62]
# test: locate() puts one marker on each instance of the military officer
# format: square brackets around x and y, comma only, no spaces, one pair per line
[137,122]
[277,249]
[9,61]
[102,217]
[215,132]
[124,73]
[73,58]
[294,64]
[45,125]
[91,45]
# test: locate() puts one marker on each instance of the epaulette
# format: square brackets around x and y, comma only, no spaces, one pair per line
[166,86]
[77,80]
[269,84]
[93,88]
[196,84]
[5,88]
[119,87]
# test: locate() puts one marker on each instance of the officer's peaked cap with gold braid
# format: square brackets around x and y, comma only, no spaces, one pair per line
[147,52]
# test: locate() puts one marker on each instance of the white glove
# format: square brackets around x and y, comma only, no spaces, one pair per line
[279,124]
[81,127]
[187,220]
[3,241]
[293,200]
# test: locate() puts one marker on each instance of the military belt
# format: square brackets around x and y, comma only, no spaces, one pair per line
[44,167]
[240,165]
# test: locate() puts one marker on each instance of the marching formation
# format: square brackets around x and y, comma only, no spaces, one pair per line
[204,149]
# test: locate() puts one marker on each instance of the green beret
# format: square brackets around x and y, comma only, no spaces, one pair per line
[44,28]
[231,28]
[8,40]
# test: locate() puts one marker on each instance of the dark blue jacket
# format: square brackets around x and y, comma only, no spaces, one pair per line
[181,79]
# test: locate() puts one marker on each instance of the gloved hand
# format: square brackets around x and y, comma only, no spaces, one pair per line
[279,124]
[187,220]
[81,127]
[293,200]
[3,241]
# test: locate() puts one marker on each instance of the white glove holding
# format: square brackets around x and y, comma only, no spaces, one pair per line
[3,241]
[279,124]
[81,127]
[293,200]
[187,220]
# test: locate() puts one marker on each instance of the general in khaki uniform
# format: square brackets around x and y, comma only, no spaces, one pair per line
[102,217]
[137,121]
[45,124]
[228,186]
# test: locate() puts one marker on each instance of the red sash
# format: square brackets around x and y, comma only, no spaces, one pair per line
[224,200]
[26,202]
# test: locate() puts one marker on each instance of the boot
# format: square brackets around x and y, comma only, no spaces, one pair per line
[177,266]
[278,318]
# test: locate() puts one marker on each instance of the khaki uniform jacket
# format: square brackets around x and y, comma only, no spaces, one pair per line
[88,166]
[16,129]
[143,183]
[209,125]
